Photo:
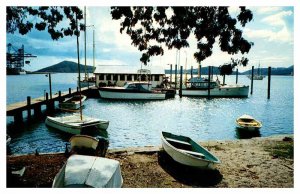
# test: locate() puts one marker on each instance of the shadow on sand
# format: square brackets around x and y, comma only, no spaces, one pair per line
[188,175]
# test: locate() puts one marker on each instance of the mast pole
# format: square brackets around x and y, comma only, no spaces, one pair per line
[85,74]
[78,64]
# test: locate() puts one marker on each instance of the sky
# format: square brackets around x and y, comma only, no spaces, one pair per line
[271,30]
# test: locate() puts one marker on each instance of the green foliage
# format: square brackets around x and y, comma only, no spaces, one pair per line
[282,150]
[45,17]
[173,26]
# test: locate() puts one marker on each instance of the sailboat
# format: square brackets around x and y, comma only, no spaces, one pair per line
[257,76]
[75,124]
[88,81]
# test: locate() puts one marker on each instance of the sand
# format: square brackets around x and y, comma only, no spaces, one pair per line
[250,163]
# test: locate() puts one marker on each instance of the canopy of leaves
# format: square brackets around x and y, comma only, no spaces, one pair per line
[173,25]
[226,69]
[23,19]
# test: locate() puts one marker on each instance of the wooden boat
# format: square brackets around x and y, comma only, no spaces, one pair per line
[185,151]
[74,124]
[89,171]
[198,87]
[247,122]
[87,145]
[73,102]
[132,91]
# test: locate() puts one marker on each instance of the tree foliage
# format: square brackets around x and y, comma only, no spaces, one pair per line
[172,26]
[23,19]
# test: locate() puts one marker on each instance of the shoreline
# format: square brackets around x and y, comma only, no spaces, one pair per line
[151,167]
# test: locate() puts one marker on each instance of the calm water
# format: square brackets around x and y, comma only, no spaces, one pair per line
[139,123]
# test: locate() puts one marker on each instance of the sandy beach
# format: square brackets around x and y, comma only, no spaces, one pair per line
[247,163]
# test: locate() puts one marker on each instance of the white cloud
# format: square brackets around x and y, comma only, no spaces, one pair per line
[267,10]
[283,35]
[277,19]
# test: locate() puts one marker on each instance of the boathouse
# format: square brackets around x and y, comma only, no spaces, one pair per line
[117,75]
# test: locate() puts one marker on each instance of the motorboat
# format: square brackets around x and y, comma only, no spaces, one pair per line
[81,171]
[74,124]
[248,122]
[187,152]
[133,91]
[73,102]
[202,87]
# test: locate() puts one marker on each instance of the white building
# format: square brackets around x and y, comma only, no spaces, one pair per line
[119,74]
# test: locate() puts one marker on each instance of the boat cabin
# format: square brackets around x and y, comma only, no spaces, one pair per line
[201,83]
[118,75]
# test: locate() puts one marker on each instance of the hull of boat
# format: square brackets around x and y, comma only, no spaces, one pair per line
[247,127]
[200,158]
[73,125]
[87,84]
[118,95]
[83,141]
[89,171]
[256,77]
[222,92]
[72,104]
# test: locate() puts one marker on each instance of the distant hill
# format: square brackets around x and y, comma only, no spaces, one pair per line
[66,67]
[264,71]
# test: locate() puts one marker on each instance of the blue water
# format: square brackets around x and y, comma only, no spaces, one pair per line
[139,123]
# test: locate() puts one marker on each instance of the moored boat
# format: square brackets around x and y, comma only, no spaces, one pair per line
[74,124]
[73,102]
[247,122]
[186,151]
[89,171]
[8,139]
[198,87]
[133,91]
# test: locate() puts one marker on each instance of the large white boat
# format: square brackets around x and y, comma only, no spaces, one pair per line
[133,91]
[74,124]
[73,102]
[198,86]
[89,171]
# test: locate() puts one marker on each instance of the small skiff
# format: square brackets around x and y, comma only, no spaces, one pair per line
[89,171]
[186,151]
[74,125]
[72,103]
[247,122]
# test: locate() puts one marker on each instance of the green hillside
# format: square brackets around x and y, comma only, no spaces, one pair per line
[66,67]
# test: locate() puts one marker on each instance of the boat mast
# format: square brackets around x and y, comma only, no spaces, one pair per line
[93,48]
[85,73]
[78,64]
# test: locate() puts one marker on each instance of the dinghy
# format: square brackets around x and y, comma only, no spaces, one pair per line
[247,122]
[186,151]
[89,171]
[74,124]
[73,102]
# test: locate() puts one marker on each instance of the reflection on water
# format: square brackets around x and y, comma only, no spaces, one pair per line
[139,123]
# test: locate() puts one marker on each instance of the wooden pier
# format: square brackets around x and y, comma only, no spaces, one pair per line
[16,109]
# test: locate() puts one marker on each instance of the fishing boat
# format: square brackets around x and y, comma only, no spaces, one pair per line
[247,122]
[186,151]
[88,145]
[72,103]
[133,91]
[89,171]
[73,124]
[202,87]
[258,75]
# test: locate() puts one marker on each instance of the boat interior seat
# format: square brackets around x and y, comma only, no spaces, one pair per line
[178,141]
[197,154]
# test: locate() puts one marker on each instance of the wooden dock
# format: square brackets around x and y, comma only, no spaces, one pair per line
[16,109]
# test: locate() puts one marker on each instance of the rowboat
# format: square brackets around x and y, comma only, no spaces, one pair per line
[186,151]
[247,122]
[8,139]
[74,124]
[89,171]
[73,102]
[87,145]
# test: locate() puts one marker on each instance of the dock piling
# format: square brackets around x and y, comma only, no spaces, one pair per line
[208,91]
[180,83]
[70,91]
[28,107]
[236,76]
[252,74]
[269,82]
[191,71]
[175,77]
[171,73]
[59,96]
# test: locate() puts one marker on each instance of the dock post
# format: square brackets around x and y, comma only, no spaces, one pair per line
[59,96]
[199,71]
[180,84]
[50,86]
[175,77]
[252,74]
[191,71]
[77,89]
[212,72]
[69,91]
[18,117]
[171,73]
[28,107]
[208,91]
[236,76]
[269,82]
[224,79]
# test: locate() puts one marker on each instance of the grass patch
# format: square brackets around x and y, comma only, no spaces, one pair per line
[282,150]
